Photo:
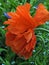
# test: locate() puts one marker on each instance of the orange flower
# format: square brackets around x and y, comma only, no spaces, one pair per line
[20,30]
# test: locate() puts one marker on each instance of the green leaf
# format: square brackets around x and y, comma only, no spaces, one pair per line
[2,60]
[7,63]
[1,49]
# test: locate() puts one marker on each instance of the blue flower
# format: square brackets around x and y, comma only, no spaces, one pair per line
[6,15]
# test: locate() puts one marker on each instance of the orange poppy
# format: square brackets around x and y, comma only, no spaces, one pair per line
[20,30]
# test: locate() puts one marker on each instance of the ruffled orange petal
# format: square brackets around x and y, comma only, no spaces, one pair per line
[21,41]
[32,43]
[23,12]
[9,22]
[17,27]
[28,35]
[27,6]
[21,44]
[13,15]
[9,38]
[41,16]
[18,22]
[26,52]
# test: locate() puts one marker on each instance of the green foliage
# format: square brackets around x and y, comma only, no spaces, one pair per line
[41,52]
